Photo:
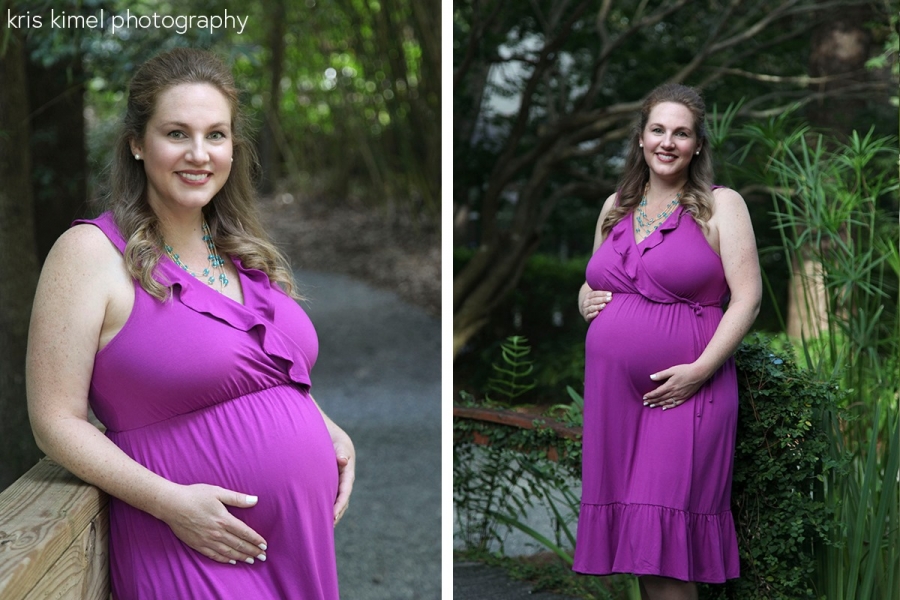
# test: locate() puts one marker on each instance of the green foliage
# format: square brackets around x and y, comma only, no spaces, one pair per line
[784,431]
[543,307]
[512,378]
[358,93]
[835,206]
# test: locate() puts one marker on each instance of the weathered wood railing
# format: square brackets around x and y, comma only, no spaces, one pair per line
[54,532]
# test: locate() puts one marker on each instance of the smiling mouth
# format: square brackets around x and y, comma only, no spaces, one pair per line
[197,177]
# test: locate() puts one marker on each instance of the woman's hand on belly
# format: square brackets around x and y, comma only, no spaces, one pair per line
[198,517]
[346,461]
[679,383]
[593,302]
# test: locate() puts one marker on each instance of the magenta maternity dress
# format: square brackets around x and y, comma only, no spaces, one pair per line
[656,484]
[202,389]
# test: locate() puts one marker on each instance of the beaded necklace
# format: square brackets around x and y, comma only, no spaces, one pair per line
[646,225]
[215,261]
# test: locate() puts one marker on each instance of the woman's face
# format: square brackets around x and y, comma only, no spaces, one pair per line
[669,140]
[187,148]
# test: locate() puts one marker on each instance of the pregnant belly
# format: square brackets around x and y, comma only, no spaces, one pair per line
[632,338]
[272,444]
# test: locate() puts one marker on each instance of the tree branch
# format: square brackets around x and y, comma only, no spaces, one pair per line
[475,37]
[608,48]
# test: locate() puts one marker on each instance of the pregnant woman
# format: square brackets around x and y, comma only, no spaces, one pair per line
[672,288]
[170,315]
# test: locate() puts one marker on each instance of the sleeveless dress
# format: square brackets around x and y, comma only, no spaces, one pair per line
[656,485]
[202,389]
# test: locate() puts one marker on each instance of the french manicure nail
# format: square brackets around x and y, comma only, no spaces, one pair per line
[261,557]
[646,404]
[233,562]
[252,499]
[248,560]
[263,547]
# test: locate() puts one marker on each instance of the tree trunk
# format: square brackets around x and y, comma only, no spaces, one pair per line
[58,149]
[839,48]
[18,265]
[269,155]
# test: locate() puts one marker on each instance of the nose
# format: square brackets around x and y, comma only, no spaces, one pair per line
[197,152]
[668,142]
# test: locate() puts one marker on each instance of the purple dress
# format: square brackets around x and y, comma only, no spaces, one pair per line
[202,389]
[656,484]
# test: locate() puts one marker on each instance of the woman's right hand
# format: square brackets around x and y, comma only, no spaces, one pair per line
[593,302]
[198,517]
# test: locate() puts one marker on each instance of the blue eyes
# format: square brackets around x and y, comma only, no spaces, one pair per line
[682,134]
[216,135]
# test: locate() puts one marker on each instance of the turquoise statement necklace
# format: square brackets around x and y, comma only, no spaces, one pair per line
[216,264]
[645,224]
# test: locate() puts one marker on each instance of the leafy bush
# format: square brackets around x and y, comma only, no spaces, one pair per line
[784,422]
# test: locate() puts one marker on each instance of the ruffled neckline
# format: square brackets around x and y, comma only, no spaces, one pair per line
[257,311]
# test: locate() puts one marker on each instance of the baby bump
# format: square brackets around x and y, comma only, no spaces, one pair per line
[272,444]
[633,338]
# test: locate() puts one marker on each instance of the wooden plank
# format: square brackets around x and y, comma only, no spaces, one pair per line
[82,572]
[516,419]
[41,515]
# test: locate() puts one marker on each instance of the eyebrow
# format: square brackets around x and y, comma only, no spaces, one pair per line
[663,126]
[219,125]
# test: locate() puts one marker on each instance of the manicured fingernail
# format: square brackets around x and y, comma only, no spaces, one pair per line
[261,557]
[252,499]
[665,407]
[263,547]
[233,562]
[653,377]
[248,560]
[652,406]
[646,403]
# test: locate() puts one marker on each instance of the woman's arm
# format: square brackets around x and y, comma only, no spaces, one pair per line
[346,461]
[79,292]
[591,302]
[737,249]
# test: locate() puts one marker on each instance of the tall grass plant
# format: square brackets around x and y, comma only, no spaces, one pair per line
[835,206]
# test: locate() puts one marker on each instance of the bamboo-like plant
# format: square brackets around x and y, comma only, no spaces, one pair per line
[835,208]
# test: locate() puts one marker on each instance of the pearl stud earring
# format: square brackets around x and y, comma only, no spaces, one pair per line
[137,157]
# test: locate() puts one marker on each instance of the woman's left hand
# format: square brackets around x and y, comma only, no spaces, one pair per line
[678,384]
[346,462]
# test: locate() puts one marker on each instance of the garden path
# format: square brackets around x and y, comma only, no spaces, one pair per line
[379,377]
[475,581]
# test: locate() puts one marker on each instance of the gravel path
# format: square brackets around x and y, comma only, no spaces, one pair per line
[379,377]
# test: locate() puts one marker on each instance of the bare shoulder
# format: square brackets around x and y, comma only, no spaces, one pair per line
[83,266]
[725,197]
[608,205]
[83,244]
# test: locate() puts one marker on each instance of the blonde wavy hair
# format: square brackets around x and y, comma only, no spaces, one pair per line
[697,196]
[231,214]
